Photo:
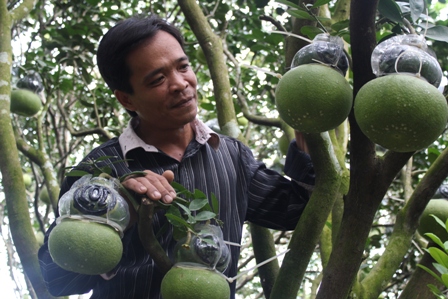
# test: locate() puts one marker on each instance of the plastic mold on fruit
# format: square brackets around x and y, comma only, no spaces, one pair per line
[325,49]
[95,199]
[406,54]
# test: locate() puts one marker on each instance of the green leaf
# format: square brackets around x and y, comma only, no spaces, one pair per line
[435,239]
[320,3]
[430,272]
[288,3]
[208,106]
[186,209]
[199,194]
[390,10]
[77,173]
[435,290]
[439,221]
[181,189]
[198,204]
[340,25]
[311,31]
[441,269]
[215,204]
[177,221]
[439,256]
[106,169]
[417,8]
[300,14]
[204,216]
[445,279]
[104,158]
[438,32]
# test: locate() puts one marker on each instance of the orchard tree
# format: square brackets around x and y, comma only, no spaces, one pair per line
[357,237]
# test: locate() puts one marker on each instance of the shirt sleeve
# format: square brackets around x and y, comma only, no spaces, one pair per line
[277,201]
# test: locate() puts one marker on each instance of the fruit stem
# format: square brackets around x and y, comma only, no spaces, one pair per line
[148,237]
[305,5]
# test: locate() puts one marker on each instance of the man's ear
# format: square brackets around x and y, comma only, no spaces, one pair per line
[124,99]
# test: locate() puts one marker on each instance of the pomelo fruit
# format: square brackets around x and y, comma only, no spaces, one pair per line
[401,112]
[186,281]
[44,196]
[28,180]
[25,102]
[283,144]
[85,247]
[313,98]
[200,56]
[439,208]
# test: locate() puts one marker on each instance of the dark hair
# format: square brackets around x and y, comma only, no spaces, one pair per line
[120,40]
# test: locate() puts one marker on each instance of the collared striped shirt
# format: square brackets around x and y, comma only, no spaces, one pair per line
[245,188]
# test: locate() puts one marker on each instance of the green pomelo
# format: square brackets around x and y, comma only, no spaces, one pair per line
[44,196]
[200,56]
[25,102]
[313,98]
[401,112]
[28,180]
[188,282]
[40,237]
[85,247]
[439,208]
[283,144]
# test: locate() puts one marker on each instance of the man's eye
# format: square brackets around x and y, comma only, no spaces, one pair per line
[185,66]
[157,81]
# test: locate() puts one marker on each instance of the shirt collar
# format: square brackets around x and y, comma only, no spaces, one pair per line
[129,140]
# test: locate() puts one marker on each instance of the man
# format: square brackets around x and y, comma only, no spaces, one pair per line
[142,60]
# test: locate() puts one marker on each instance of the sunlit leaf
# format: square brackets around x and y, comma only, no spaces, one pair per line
[441,269]
[445,279]
[439,256]
[435,239]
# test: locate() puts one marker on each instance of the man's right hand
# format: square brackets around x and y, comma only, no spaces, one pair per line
[153,185]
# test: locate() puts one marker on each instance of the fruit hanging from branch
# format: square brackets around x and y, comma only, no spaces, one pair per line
[201,253]
[402,109]
[87,236]
[314,96]
[24,102]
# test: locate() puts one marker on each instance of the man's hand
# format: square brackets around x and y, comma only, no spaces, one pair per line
[153,185]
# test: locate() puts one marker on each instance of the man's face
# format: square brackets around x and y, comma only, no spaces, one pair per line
[163,82]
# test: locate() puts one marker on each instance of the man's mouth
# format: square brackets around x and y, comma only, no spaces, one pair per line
[183,102]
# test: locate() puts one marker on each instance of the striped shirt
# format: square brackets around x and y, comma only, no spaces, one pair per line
[215,164]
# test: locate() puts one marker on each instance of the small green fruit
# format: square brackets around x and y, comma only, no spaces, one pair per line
[283,144]
[27,179]
[439,208]
[25,102]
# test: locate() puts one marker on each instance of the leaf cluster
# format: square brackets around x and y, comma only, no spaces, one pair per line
[190,208]
[440,255]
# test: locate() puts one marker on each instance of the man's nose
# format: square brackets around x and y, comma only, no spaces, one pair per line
[178,82]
